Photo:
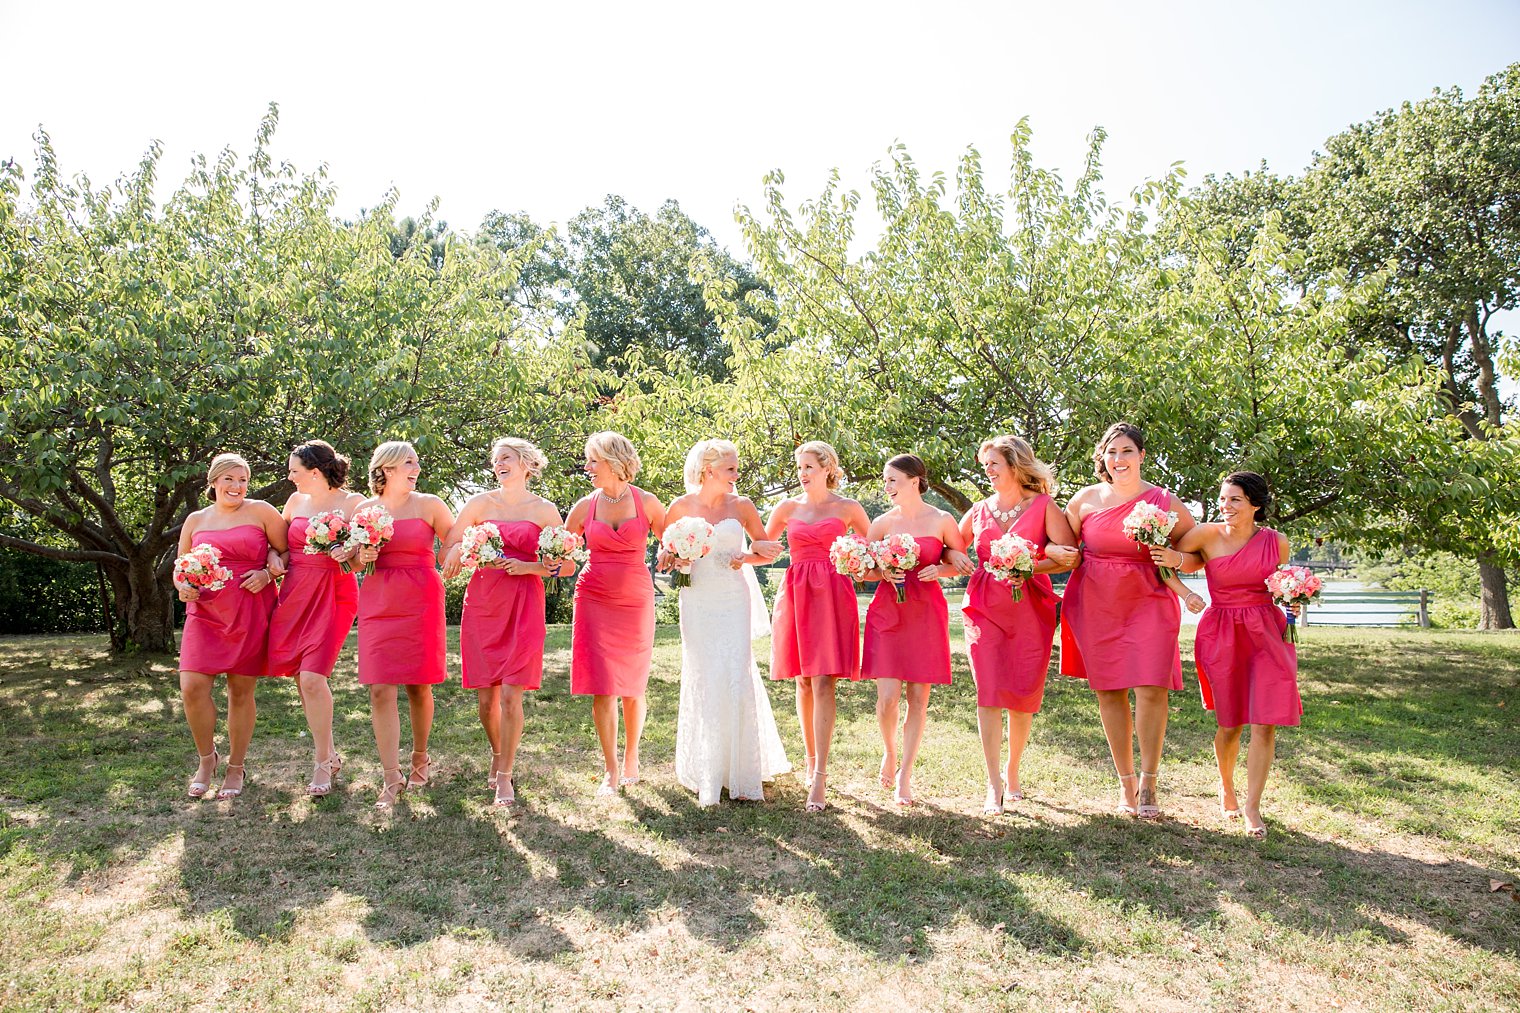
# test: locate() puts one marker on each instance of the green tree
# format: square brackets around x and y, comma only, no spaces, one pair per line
[137,341]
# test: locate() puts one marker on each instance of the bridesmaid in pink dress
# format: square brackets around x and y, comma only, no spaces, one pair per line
[1120,621]
[907,644]
[227,631]
[401,617]
[815,628]
[1249,676]
[501,634]
[1009,642]
[318,600]
[613,634]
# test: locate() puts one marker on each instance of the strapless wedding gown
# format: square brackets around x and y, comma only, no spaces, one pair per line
[725,734]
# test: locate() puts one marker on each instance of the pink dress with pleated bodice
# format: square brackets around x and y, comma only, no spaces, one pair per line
[317,607]
[815,628]
[1247,673]
[227,631]
[401,614]
[1119,623]
[613,635]
[501,634]
[910,640]
[1009,642]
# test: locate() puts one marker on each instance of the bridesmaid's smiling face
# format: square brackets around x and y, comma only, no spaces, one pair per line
[1235,504]
[306,480]
[895,483]
[1123,460]
[404,474]
[508,466]
[1000,474]
[810,470]
[231,487]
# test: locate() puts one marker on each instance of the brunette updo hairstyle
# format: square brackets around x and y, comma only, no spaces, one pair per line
[912,466]
[1113,432]
[220,465]
[320,455]
[1255,488]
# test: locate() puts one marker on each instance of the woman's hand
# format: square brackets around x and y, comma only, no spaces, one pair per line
[930,572]
[344,553]
[275,565]
[1064,556]
[255,581]
[451,564]
[517,567]
[1294,609]
[368,554]
[186,593]
[893,577]
[563,568]
[769,550]
[962,562]
[664,560]
[1195,602]
[1165,555]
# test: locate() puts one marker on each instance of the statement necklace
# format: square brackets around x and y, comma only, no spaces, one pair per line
[1006,517]
[621,496]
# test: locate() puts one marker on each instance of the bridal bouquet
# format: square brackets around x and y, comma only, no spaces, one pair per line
[559,545]
[326,533]
[201,569]
[481,543]
[851,556]
[899,553]
[371,527]
[1293,585]
[1147,524]
[1010,557]
[688,539]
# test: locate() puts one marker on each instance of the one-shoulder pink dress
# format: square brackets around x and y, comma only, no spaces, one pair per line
[401,615]
[815,629]
[1009,641]
[227,631]
[910,640]
[501,634]
[317,607]
[613,633]
[1247,674]
[1119,623]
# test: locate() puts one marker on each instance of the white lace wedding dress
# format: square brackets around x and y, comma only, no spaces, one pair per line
[725,734]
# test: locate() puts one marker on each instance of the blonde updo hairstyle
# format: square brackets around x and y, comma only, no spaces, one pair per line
[387,455]
[221,464]
[828,460]
[616,450]
[533,459]
[1033,473]
[703,456]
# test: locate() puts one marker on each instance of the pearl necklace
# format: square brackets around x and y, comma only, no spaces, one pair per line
[1006,517]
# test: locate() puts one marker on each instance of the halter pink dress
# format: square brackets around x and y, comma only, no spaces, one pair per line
[1119,622]
[501,634]
[227,631]
[317,607]
[1248,675]
[910,640]
[815,629]
[1009,641]
[401,616]
[613,634]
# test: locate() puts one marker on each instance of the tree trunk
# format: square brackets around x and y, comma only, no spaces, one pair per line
[952,495]
[1494,611]
[144,608]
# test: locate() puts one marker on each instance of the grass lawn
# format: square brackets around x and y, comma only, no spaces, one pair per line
[1391,811]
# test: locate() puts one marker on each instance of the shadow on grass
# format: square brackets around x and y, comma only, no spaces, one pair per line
[93,758]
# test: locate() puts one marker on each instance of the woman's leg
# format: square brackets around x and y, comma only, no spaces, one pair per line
[888,698]
[913,736]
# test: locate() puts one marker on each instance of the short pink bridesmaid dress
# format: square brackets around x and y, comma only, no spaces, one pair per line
[1009,641]
[1119,623]
[317,607]
[613,634]
[501,634]
[816,626]
[401,615]
[1248,675]
[910,640]
[227,631]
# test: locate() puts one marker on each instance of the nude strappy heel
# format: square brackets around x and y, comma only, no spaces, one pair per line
[198,789]
[1124,808]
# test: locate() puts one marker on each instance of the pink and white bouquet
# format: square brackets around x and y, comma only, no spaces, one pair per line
[326,533]
[688,539]
[1148,524]
[481,543]
[1011,557]
[559,545]
[371,527]
[1293,585]
[898,553]
[201,569]
[852,556]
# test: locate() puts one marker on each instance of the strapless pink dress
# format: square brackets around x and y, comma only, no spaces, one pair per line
[816,626]
[227,631]
[317,607]
[401,615]
[613,634]
[910,640]
[501,634]
[1009,641]
[1119,624]
[1247,674]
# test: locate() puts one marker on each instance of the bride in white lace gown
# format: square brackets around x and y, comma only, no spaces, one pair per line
[725,733]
